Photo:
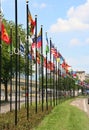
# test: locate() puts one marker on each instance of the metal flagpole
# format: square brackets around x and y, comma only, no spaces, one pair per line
[39,67]
[53,84]
[27,68]
[0,55]
[16,52]
[46,82]
[46,85]
[36,64]
[11,53]
[19,73]
[31,79]
[42,67]
[50,77]
[25,76]
[56,81]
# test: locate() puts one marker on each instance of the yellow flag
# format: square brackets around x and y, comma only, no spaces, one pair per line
[58,59]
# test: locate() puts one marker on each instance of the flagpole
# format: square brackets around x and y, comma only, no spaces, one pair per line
[42,68]
[25,78]
[46,82]
[56,81]
[39,76]
[11,53]
[60,80]
[27,69]
[53,84]
[31,79]
[0,55]
[36,64]
[39,67]
[16,52]
[19,72]
[50,77]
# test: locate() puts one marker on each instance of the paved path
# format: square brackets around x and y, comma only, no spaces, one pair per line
[82,103]
[5,107]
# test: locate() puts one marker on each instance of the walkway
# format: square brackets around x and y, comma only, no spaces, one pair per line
[82,103]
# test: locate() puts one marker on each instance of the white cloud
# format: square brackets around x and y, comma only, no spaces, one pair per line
[77,19]
[74,42]
[78,42]
[41,6]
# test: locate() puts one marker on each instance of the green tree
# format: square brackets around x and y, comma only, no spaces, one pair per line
[5,56]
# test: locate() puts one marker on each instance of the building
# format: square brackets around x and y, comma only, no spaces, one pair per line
[87,77]
[80,75]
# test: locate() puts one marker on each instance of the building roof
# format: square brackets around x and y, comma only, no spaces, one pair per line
[80,71]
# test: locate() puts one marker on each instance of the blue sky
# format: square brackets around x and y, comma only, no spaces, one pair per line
[66,21]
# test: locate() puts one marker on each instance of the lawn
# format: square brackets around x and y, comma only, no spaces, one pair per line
[65,117]
[61,117]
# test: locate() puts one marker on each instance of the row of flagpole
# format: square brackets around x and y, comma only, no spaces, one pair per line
[17,67]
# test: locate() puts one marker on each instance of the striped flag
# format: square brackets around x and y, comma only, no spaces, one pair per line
[22,49]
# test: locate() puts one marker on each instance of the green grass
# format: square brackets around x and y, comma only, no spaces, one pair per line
[61,117]
[7,120]
[65,117]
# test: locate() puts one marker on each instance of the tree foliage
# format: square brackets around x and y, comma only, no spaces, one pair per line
[5,54]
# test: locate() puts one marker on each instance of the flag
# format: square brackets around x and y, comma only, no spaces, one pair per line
[50,65]
[33,43]
[65,66]
[61,59]
[31,23]
[53,50]
[22,49]
[58,59]
[4,35]
[39,42]
[47,47]
[74,74]
[30,56]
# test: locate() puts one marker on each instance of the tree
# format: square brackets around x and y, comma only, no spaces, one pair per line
[5,57]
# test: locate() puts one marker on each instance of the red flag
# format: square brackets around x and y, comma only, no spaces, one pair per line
[4,35]
[39,42]
[32,24]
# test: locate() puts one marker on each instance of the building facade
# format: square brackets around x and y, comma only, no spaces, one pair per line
[80,75]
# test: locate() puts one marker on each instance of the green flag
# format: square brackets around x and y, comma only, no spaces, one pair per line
[47,46]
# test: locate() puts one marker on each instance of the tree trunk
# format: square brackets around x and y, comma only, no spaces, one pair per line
[6,92]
